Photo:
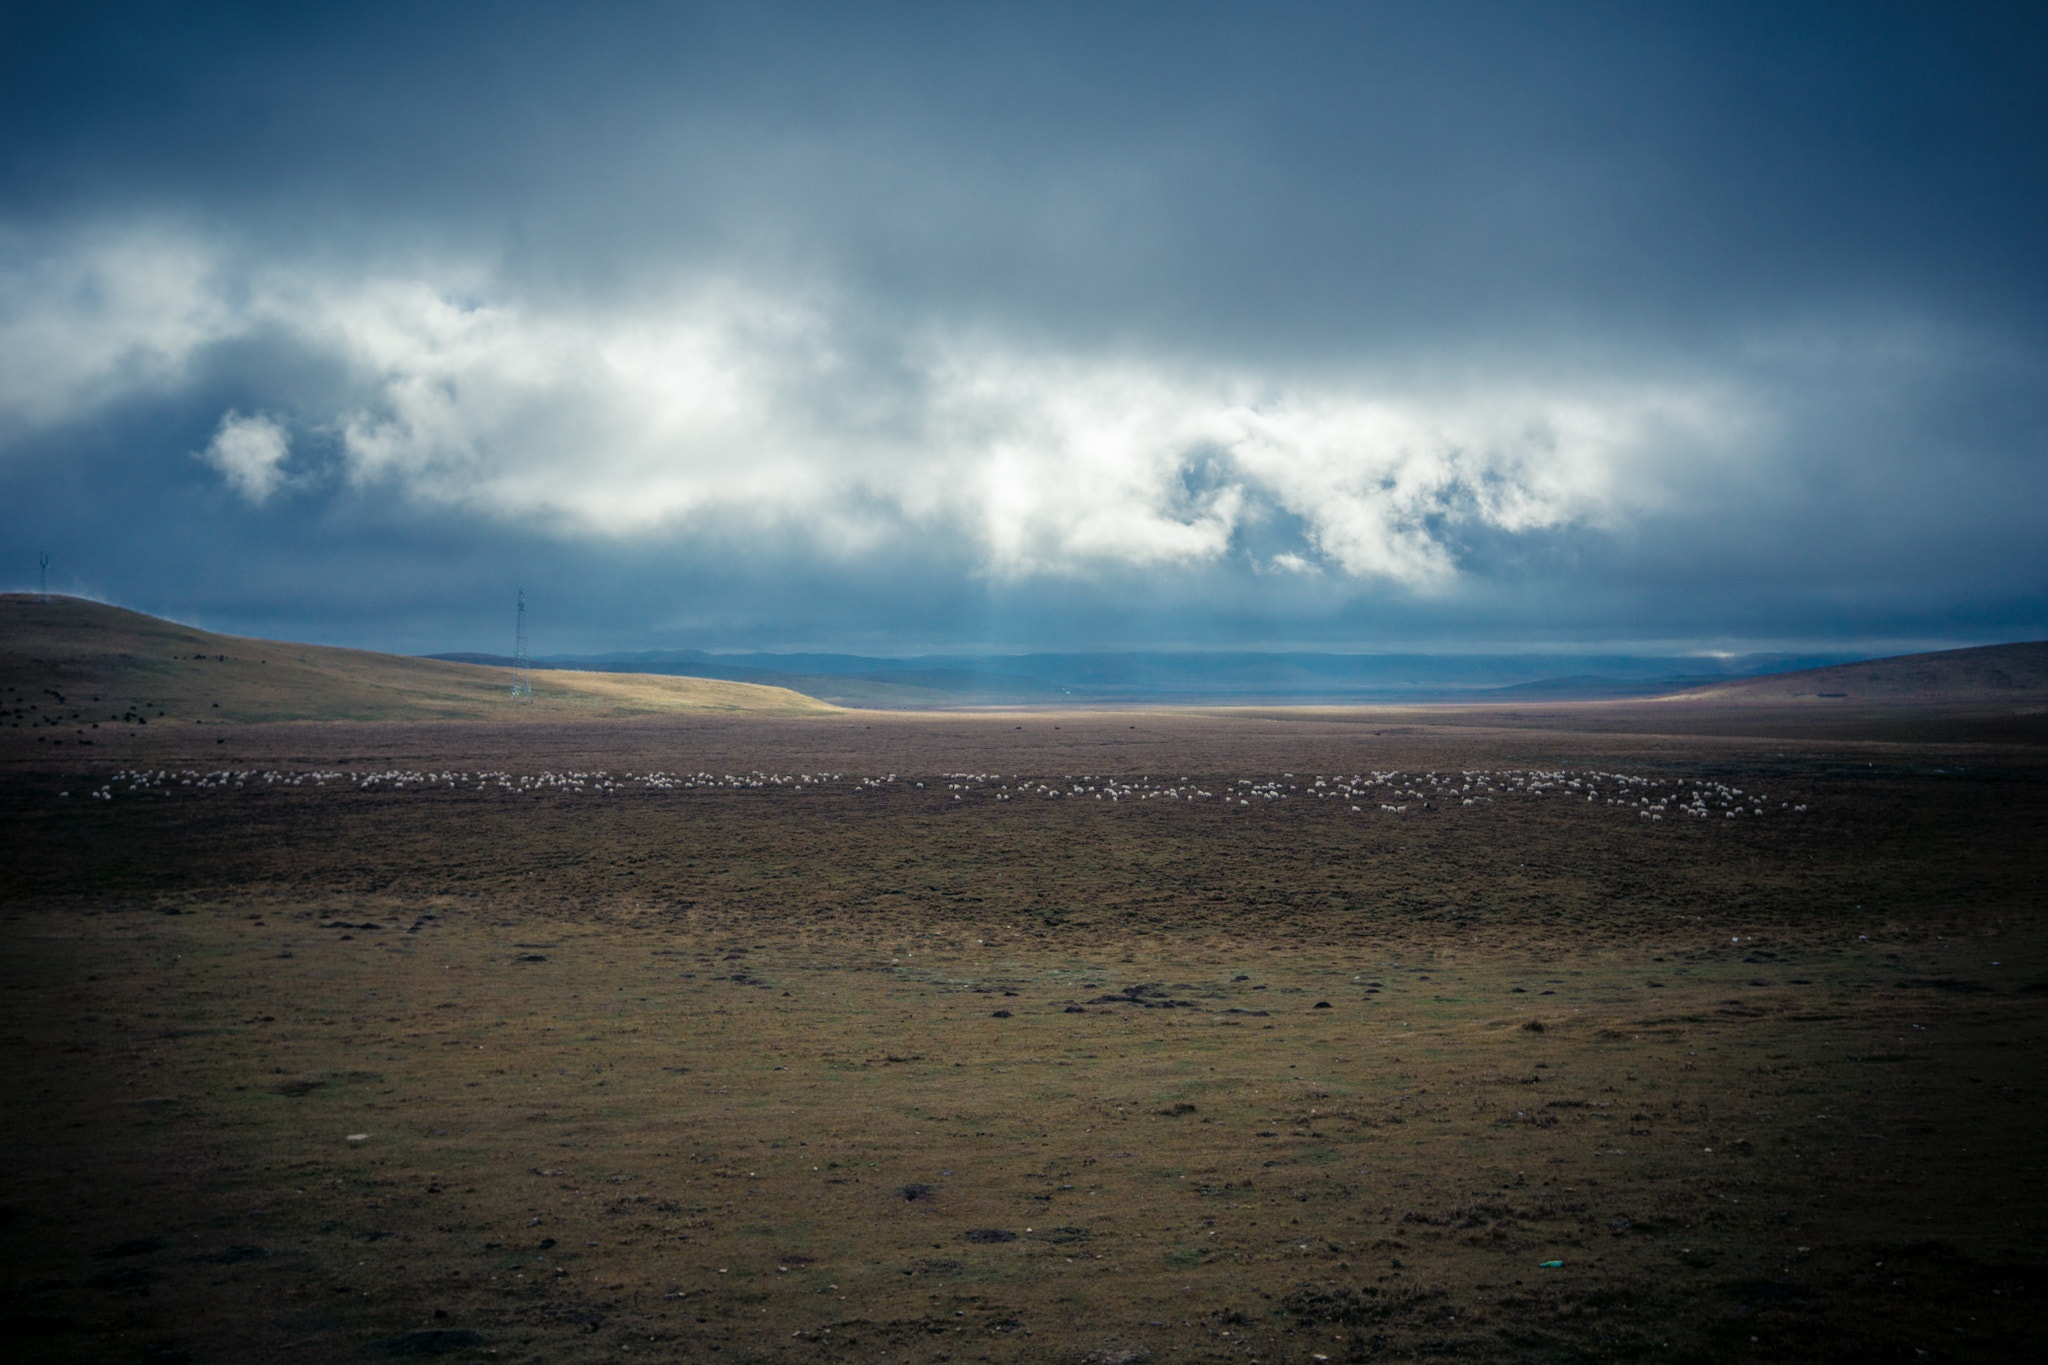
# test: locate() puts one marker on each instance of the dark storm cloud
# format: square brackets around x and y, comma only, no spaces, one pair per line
[1047,326]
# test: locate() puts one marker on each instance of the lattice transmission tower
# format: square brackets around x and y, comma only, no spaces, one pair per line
[43,576]
[522,688]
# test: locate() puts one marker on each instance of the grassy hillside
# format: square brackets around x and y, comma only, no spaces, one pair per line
[2016,673]
[902,689]
[74,664]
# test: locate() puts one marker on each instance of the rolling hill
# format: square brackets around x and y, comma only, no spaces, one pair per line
[1169,678]
[71,664]
[2016,674]
[894,689]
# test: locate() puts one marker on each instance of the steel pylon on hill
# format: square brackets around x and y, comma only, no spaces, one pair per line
[522,687]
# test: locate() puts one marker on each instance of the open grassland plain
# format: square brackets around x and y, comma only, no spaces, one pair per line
[1043,1037]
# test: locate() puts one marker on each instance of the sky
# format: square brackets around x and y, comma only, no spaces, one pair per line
[903,329]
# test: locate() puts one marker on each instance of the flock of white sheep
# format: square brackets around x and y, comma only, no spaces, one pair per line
[1374,793]
[1394,792]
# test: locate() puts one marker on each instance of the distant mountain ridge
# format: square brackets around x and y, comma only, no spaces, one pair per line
[1189,677]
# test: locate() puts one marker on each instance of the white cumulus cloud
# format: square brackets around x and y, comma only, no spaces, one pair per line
[101,316]
[715,403]
[249,452]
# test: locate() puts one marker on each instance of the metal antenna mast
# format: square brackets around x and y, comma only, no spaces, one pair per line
[43,579]
[522,690]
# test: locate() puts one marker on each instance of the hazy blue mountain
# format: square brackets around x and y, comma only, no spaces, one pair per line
[1024,679]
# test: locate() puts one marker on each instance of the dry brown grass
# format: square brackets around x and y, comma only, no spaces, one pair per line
[116,670]
[2009,675]
[755,1097]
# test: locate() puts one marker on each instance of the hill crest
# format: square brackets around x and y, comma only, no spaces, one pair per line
[1980,674]
[71,665]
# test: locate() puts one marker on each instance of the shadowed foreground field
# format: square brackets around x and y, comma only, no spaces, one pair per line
[504,1066]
